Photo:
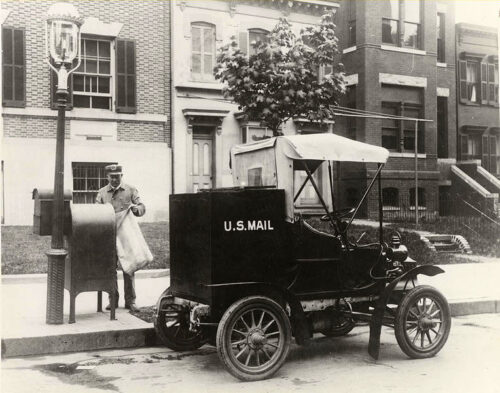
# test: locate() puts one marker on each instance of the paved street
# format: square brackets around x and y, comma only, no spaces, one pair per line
[468,363]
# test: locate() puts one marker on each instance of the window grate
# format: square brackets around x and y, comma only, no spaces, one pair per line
[88,178]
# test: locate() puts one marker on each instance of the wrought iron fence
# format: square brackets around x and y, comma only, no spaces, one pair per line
[476,220]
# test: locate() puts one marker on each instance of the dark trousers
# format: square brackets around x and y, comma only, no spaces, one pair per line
[129,289]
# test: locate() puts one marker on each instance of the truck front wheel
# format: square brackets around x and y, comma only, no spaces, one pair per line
[423,322]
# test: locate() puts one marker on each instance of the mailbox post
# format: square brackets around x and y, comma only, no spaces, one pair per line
[63,43]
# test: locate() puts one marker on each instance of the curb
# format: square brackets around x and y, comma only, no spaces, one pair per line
[41,278]
[81,342]
[474,306]
[146,336]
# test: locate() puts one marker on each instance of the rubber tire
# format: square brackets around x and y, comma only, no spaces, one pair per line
[224,335]
[399,323]
[192,342]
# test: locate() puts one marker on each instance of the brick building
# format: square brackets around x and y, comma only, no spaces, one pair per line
[477,173]
[400,58]
[119,104]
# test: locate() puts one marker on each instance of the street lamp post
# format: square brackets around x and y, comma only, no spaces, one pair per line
[63,43]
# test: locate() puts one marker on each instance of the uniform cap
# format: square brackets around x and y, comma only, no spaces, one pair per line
[113,169]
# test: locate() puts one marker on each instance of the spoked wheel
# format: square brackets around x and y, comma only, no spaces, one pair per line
[343,324]
[253,338]
[172,326]
[423,322]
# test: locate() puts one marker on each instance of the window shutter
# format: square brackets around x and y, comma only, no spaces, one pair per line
[243,41]
[491,84]
[53,89]
[484,83]
[462,64]
[13,67]
[125,77]
[463,147]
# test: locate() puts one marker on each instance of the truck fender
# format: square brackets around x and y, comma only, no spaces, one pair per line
[298,320]
[378,313]
[166,293]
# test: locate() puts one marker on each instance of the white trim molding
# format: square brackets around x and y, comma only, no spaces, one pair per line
[86,114]
[4,14]
[442,92]
[351,80]
[348,50]
[402,80]
[442,65]
[95,27]
[403,50]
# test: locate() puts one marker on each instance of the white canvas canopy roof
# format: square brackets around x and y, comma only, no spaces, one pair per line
[329,147]
[270,162]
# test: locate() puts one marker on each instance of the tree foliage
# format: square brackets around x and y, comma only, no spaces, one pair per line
[281,80]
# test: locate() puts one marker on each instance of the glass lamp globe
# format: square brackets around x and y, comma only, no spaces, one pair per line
[63,26]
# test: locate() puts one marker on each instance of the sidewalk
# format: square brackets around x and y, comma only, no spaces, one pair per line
[470,289]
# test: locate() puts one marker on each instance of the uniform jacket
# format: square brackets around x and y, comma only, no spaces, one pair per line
[121,198]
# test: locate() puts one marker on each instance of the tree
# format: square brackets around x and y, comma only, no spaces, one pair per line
[281,80]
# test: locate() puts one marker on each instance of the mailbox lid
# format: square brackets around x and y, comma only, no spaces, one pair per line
[42,215]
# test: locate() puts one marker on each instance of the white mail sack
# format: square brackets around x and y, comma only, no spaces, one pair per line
[131,248]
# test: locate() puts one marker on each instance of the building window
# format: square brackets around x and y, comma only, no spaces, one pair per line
[351,23]
[440,28]
[390,128]
[92,80]
[399,135]
[478,81]
[324,70]
[421,197]
[255,36]
[13,67]
[401,23]
[248,40]
[88,178]
[390,197]
[472,80]
[442,127]
[104,73]
[390,22]
[411,26]
[474,146]
[493,84]
[202,51]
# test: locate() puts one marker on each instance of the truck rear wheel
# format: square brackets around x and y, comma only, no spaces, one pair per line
[172,326]
[253,338]
[423,322]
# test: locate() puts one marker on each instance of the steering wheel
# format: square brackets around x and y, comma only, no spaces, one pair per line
[339,213]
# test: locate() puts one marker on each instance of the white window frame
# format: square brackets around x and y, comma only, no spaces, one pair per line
[202,77]
[112,75]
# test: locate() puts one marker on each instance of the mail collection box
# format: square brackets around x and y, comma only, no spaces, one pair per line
[91,260]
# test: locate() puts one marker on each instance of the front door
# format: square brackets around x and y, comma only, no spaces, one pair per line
[202,170]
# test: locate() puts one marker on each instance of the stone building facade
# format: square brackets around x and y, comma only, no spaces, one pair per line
[206,125]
